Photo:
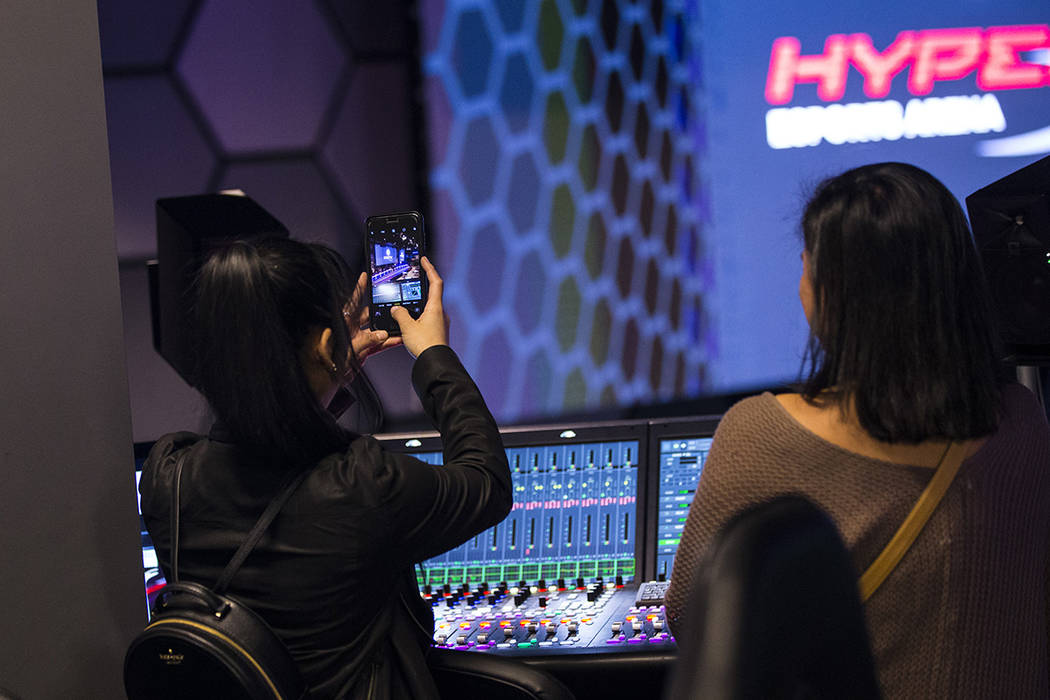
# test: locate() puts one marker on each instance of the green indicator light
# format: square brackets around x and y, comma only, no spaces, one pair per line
[666,542]
[681,520]
[683,491]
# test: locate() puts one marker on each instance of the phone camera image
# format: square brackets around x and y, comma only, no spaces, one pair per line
[394,247]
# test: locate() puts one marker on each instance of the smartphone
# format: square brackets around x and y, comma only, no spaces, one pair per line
[394,244]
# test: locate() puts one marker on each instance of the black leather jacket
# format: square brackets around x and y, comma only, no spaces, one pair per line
[333,575]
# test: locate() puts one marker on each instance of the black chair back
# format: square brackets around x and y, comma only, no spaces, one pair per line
[775,612]
[461,674]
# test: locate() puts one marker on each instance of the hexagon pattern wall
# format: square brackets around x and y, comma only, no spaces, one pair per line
[565,152]
[276,97]
[565,200]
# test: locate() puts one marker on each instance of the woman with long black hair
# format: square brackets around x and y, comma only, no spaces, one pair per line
[280,328]
[904,363]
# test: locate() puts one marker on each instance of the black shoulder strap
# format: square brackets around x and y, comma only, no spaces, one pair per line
[288,486]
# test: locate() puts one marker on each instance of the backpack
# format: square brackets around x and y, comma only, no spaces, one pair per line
[202,643]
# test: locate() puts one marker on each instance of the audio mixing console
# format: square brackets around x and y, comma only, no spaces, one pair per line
[542,620]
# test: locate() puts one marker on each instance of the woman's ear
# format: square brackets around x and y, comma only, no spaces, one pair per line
[323,348]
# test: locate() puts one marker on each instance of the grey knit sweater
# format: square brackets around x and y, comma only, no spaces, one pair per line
[964,615]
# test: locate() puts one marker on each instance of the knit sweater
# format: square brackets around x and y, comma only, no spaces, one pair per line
[964,614]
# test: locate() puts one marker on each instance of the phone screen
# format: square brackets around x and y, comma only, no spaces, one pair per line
[394,245]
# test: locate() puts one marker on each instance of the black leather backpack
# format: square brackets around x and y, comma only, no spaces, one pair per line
[201,643]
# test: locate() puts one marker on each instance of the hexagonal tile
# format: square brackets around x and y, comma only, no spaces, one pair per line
[656,364]
[614,101]
[666,155]
[662,81]
[488,257]
[134,34]
[555,127]
[575,394]
[594,246]
[641,130]
[537,387]
[645,209]
[260,89]
[440,118]
[601,331]
[517,88]
[496,351]
[610,23]
[584,70]
[652,286]
[589,161]
[671,231]
[568,317]
[636,53]
[656,14]
[625,267]
[472,52]
[357,137]
[688,179]
[620,181]
[511,14]
[675,307]
[443,230]
[156,151]
[374,27]
[562,220]
[629,349]
[295,192]
[523,194]
[529,292]
[479,160]
[549,34]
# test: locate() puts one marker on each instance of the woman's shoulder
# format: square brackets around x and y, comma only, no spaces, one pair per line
[169,444]
[761,410]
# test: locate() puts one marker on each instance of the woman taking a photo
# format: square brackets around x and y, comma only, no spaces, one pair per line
[280,330]
[903,364]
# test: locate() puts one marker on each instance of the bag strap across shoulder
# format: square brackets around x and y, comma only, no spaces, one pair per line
[288,486]
[920,513]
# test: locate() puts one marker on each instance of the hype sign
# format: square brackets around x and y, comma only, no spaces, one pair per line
[931,56]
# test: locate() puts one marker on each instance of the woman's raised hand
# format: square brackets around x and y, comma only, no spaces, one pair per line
[431,328]
[365,342]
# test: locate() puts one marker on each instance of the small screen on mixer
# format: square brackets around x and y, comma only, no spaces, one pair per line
[575,512]
[679,448]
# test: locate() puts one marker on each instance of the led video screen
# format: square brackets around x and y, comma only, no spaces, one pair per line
[615,186]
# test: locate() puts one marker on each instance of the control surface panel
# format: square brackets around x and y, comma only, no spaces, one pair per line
[541,619]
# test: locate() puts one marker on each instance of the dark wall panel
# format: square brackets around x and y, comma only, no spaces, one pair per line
[70,577]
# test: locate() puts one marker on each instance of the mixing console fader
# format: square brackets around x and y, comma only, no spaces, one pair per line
[538,620]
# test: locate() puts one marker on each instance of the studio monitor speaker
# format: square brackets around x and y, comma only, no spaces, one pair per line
[187,230]
[1010,219]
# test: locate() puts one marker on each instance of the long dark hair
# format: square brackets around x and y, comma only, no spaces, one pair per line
[257,301]
[903,321]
